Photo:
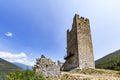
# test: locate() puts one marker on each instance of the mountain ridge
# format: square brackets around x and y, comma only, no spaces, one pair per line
[6,67]
[110,61]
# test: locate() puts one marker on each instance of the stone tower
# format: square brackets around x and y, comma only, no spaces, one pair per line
[79,45]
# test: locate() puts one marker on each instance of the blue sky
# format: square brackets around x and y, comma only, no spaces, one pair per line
[29,28]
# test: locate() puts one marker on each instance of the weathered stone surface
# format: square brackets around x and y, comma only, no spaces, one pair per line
[79,45]
[47,67]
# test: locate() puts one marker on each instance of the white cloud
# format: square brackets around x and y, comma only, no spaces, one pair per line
[20,58]
[9,34]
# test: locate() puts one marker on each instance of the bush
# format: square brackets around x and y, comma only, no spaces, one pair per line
[24,75]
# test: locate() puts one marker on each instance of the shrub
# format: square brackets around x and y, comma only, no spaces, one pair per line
[24,75]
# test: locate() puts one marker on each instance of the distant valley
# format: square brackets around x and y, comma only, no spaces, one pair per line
[23,66]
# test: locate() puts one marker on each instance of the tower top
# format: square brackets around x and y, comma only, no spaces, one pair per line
[80,18]
[76,16]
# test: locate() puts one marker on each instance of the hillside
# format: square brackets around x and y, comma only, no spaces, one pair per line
[6,67]
[110,61]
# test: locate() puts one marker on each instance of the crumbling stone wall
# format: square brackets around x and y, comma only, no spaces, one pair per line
[47,67]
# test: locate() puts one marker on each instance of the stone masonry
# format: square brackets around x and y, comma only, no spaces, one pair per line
[47,67]
[79,45]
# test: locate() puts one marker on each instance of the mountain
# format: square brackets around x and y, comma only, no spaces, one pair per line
[23,66]
[110,61]
[6,67]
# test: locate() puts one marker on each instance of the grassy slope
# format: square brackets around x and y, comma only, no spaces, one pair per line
[111,61]
[90,74]
[6,67]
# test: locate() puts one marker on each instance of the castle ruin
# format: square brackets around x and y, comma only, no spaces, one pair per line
[47,67]
[79,45]
[79,51]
